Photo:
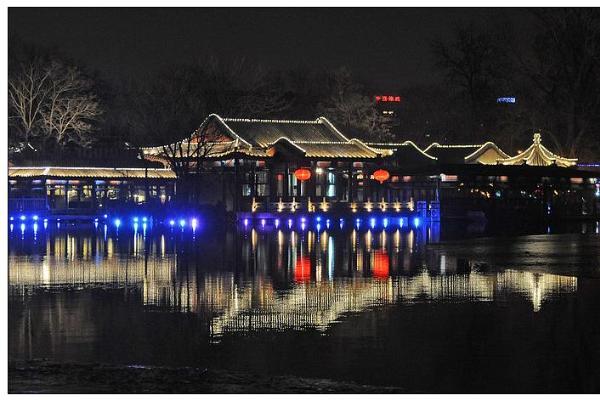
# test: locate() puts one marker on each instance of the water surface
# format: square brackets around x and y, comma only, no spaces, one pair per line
[412,308]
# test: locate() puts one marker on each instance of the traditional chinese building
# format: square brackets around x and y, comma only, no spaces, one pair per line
[261,168]
[302,166]
[88,183]
[484,180]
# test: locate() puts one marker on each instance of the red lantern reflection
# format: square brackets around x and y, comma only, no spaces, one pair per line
[381,175]
[380,267]
[302,174]
[302,269]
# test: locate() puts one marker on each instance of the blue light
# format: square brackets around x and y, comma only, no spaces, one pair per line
[172,222]
[144,219]
[22,228]
[117,223]
[511,100]
[385,223]
[245,221]
[135,226]
[303,226]
[12,218]
[135,219]
[35,217]
[194,223]
[11,227]
[290,223]
[35,228]
[327,223]
[263,222]
[144,226]
[358,223]
[341,223]
[303,220]
[417,222]
[22,218]
[105,216]
[401,222]
[277,223]
[318,227]
[182,222]
[95,224]
[372,223]
[96,220]
[319,219]
[45,223]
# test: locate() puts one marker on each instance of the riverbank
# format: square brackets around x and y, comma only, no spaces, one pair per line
[42,376]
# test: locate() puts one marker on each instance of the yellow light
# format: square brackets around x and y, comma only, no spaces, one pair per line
[324,205]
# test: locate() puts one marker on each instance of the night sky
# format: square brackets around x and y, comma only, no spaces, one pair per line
[387,48]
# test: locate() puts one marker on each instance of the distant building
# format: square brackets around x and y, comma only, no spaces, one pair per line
[388,104]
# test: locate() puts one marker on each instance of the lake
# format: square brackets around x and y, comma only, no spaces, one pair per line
[428,309]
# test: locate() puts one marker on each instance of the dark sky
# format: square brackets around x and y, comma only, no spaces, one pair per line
[387,47]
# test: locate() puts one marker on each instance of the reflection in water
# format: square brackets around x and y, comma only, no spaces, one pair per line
[270,280]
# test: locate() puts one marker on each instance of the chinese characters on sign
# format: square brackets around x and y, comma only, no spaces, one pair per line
[387,99]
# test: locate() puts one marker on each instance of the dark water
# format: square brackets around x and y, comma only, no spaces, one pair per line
[409,308]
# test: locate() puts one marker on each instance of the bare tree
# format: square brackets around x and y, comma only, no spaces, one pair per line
[52,102]
[354,111]
[564,72]
[71,109]
[27,94]
[474,63]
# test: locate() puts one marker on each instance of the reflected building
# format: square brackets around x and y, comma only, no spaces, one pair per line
[277,279]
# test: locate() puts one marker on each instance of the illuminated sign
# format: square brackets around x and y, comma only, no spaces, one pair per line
[511,100]
[387,99]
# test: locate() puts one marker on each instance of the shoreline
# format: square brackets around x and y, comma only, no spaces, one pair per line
[44,376]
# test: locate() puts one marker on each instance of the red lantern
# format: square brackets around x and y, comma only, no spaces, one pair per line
[302,174]
[381,175]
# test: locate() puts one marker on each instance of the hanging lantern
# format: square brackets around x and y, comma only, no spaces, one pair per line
[302,174]
[381,175]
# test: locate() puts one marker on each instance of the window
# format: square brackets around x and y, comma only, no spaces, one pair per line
[293,185]
[330,184]
[262,184]
[279,179]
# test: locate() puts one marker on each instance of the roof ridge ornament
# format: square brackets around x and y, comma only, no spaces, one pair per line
[538,155]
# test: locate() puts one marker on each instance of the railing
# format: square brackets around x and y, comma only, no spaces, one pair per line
[25,204]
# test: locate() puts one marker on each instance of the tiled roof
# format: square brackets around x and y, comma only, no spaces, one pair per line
[466,153]
[487,153]
[451,153]
[406,153]
[90,172]
[349,149]
[265,132]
